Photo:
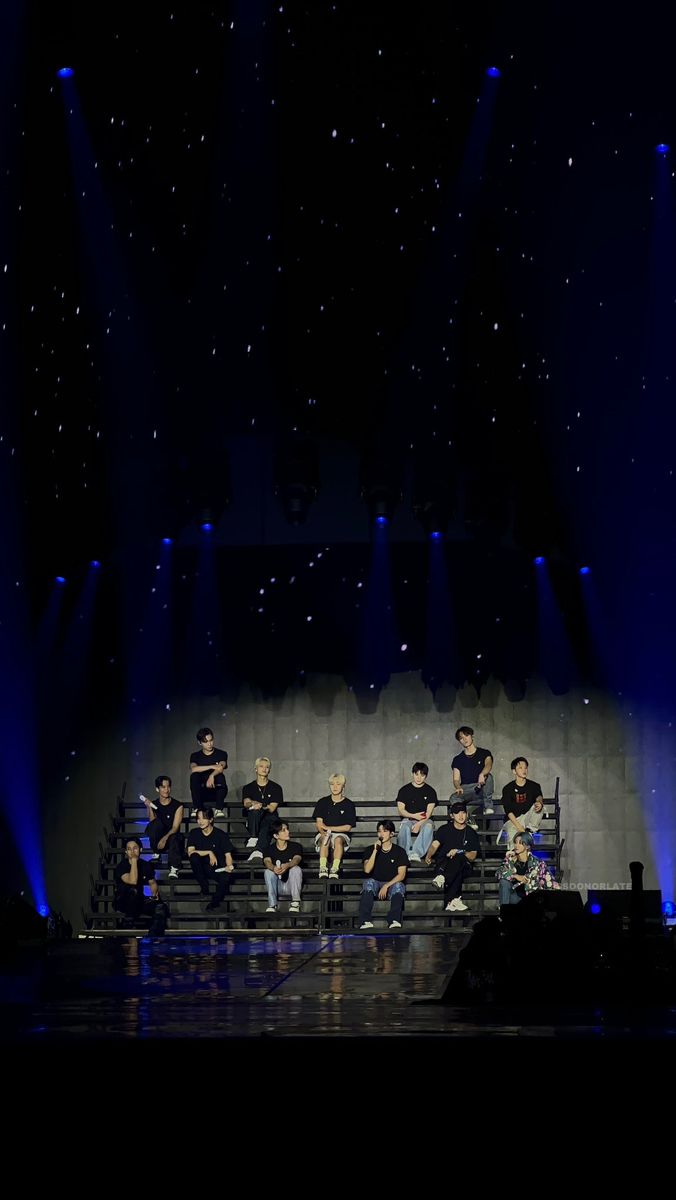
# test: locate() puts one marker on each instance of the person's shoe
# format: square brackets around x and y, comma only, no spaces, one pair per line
[271,908]
[173,873]
[473,825]
[334,873]
[488,810]
[414,858]
[251,843]
[395,925]
[366,925]
[294,906]
[457,905]
[213,905]
[254,855]
[438,881]
[218,812]
[323,873]
[155,857]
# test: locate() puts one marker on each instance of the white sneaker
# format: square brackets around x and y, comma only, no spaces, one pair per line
[251,843]
[219,813]
[488,811]
[395,924]
[456,906]
[323,873]
[366,925]
[173,873]
[155,857]
[438,881]
[272,908]
[333,874]
[294,906]
[414,858]
[473,825]
[254,854]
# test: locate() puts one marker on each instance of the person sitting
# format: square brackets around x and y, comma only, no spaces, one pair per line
[454,848]
[335,817]
[523,803]
[523,873]
[261,800]
[207,770]
[164,829]
[385,866]
[131,877]
[283,874]
[416,802]
[211,857]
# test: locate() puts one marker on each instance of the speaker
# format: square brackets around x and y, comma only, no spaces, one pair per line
[617,904]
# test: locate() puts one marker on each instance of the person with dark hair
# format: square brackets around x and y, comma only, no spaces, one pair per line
[335,816]
[523,803]
[283,874]
[523,873]
[416,802]
[385,865]
[452,852]
[472,779]
[164,830]
[207,771]
[261,800]
[131,876]
[211,857]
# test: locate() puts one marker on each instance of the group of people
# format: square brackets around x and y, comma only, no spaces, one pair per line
[450,849]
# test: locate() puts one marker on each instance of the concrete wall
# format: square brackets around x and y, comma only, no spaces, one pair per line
[617,769]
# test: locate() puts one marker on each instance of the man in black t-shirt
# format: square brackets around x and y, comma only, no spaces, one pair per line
[211,857]
[523,803]
[261,800]
[416,802]
[386,866]
[207,771]
[454,849]
[282,868]
[163,832]
[472,778]
[335,817]
[131,876]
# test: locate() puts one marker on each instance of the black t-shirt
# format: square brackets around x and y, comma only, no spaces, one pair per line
[387,862]
[200,759]
[270,794]
[279,857]
[416,799]
[518,800]
[166,813]
[218,841]
[343,813]
[470,766]
[146,872]
[450,838]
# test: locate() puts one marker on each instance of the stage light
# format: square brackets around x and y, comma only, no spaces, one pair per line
[64,72]
[95,563]
[381,520]
[595,909]
[436,534]
[167,541]
[585,570]
[662,148]
[539,560]
[494,72]
[60,579]
[44,910]
[207,526]
[669,908]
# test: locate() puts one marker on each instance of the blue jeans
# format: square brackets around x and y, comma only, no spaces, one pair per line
[470,794]
[369,892]
[277,885]
[423,839]
[508,895]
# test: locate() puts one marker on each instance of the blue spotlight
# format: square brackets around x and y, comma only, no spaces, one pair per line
[539,560]
[95,563]
[436,534]
[494,72]
[167,541]
[44,910]
[585,570]
[60,579]
[662,148]
[207,526]
[669,908]
[381,520]
[595,909]
[64,72]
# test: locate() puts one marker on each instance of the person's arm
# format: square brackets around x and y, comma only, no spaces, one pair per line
[457,783]
[488,767]
[154,889]
[370,862]
[339,828]
[178,817]
[431,852]
[272,806]
[515,821]
[428,813]
[229,861]
[267,863]
[295,862]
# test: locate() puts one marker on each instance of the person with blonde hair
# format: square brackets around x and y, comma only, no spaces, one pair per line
[335,817]
[261,800]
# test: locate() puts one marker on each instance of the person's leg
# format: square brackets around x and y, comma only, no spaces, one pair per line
[196,788]
[200,869]
[272,884]
[396,897]
[508,895]
[153,834]
[369,891]
[404,838]
[264,832]
[533,819]
[295,883]
[338,843]
[424,839]
[453,873]
[322,842]
[175,849]
[156,912]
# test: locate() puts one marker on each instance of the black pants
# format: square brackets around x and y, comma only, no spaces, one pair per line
[206,797]
[138,907]
[454,870]
[175,843]
[259,825]
[203,872]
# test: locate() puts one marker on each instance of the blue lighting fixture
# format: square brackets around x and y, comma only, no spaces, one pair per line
[95,563]
[494,72]
[60,579]
[436,535]
[207,526]
[381,520]
[167,541]
[595,909]
[585,570]
[539,560]
[669,908]
[64,72]
[662,148]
